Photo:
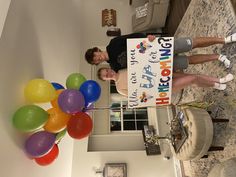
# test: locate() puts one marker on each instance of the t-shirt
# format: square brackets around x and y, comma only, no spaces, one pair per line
[117,50]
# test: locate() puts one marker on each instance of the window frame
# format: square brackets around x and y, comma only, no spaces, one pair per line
[122,120]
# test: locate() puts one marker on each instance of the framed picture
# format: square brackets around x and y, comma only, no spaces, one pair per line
[108,17]
[115,170]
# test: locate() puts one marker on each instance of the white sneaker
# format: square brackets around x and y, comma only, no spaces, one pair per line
[219,86]
[231,38]
[224,60]
[229,77]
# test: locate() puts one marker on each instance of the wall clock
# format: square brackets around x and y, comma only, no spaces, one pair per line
[115,170]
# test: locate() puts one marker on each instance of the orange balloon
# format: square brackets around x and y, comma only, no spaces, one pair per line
[54,102]
[57,120]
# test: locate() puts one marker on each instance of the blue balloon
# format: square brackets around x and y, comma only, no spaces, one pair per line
[91,91]
[57,86]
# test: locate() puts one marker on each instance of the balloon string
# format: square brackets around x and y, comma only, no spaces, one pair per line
[110,108]
[58,142]
[103,108]
[100,108]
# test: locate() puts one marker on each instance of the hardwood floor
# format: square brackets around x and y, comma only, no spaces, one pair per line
[176,12]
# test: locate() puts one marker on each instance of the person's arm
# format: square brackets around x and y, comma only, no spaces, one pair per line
[140,35]
[129,36]
[134,35]
[123,92]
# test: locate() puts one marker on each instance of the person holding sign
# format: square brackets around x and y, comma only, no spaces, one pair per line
[115,54]
[116,51]
[180,80]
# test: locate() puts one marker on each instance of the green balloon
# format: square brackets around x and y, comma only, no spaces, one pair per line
[75,80]
[60,135]
[30,118]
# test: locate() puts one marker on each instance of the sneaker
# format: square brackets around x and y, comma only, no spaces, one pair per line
[219,86]
[224,60]
[230,39]
[229,77]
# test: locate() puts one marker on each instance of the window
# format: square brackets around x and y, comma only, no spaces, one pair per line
[123,118]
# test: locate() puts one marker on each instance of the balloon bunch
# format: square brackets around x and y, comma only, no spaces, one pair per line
[67,114]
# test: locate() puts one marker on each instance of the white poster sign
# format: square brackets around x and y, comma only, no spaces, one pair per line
[150,66]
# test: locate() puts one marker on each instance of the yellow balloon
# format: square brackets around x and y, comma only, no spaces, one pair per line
[57,120]
[39,91]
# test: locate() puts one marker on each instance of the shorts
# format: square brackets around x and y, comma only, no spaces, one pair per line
[181,45]
[180,62]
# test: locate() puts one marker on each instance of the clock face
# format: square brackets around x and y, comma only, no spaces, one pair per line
[115,171]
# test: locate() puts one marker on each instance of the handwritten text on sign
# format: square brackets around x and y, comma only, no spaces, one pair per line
[149,71]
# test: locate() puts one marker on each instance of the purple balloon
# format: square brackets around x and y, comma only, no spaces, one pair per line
[71,101]
[40,143]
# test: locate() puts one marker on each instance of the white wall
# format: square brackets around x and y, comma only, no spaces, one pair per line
[91,24]
[39,39]
[4,5]
[138,163]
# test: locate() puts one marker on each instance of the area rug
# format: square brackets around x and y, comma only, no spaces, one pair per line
[212,18]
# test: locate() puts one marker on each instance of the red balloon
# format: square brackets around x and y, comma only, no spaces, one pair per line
[49,157]
[79,125]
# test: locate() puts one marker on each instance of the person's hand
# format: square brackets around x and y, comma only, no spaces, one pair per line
[151,38]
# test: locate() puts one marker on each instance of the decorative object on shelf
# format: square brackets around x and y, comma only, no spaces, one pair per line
[108,17]
[176,137]
[113,32]
[178,133]
[115,170]
[151,140]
